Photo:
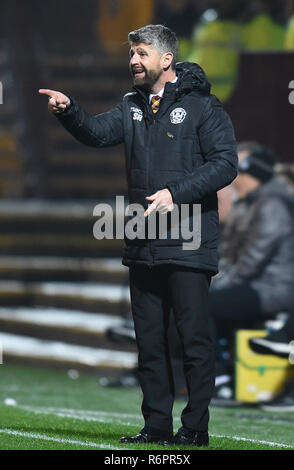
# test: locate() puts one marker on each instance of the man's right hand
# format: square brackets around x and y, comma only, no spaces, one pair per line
[58,102]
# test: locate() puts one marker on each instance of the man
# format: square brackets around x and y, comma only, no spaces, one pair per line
[256,278]
[180,149]
[280,342]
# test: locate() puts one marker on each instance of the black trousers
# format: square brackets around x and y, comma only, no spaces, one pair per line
[154,292]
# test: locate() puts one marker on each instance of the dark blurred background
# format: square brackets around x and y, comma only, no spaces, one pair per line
[58,284]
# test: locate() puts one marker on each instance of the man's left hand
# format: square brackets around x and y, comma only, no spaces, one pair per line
[162,202]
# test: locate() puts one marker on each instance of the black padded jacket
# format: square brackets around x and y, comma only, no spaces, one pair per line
[188,147]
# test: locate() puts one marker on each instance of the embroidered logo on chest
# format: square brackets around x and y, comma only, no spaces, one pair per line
[137,114]
[177,116]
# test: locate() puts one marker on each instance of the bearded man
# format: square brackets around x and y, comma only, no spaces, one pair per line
[180,150]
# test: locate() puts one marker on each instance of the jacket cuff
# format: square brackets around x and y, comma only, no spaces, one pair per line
[177,195]
[69,110]
[171,189]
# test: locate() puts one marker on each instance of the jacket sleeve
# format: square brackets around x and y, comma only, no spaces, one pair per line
[219,150]
[271,225]
[102,130]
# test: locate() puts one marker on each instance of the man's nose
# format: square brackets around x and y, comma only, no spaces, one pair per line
[134,59]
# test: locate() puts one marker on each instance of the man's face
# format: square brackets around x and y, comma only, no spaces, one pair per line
[145,65]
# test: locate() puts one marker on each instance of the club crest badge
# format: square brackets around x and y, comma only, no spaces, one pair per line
[177,116]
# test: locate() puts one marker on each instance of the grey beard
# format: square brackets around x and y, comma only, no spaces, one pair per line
[149,80]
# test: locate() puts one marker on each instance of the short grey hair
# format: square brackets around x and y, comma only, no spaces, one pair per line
[160,37]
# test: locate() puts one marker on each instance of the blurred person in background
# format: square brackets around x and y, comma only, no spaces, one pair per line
[256,278]
[226,28]
[289,36]
[278,341]
[216,44]
[264,27]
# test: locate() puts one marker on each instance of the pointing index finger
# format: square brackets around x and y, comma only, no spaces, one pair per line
[150,209]
[44,91]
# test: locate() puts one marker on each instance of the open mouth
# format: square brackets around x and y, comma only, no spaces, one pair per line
[138,73]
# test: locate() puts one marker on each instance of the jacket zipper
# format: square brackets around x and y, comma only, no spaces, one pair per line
[148,124]
[152,123]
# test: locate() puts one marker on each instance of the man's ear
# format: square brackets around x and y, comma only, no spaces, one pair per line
[166,60]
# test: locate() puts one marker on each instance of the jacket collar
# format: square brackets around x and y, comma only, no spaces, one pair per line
[190,77]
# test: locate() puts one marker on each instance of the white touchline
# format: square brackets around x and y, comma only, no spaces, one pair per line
[268,443]
[71,413]
[77,411]
[99,413]
[81,418]
[81,414]
[44,437]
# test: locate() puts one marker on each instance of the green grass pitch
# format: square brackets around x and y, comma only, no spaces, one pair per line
[53,411]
